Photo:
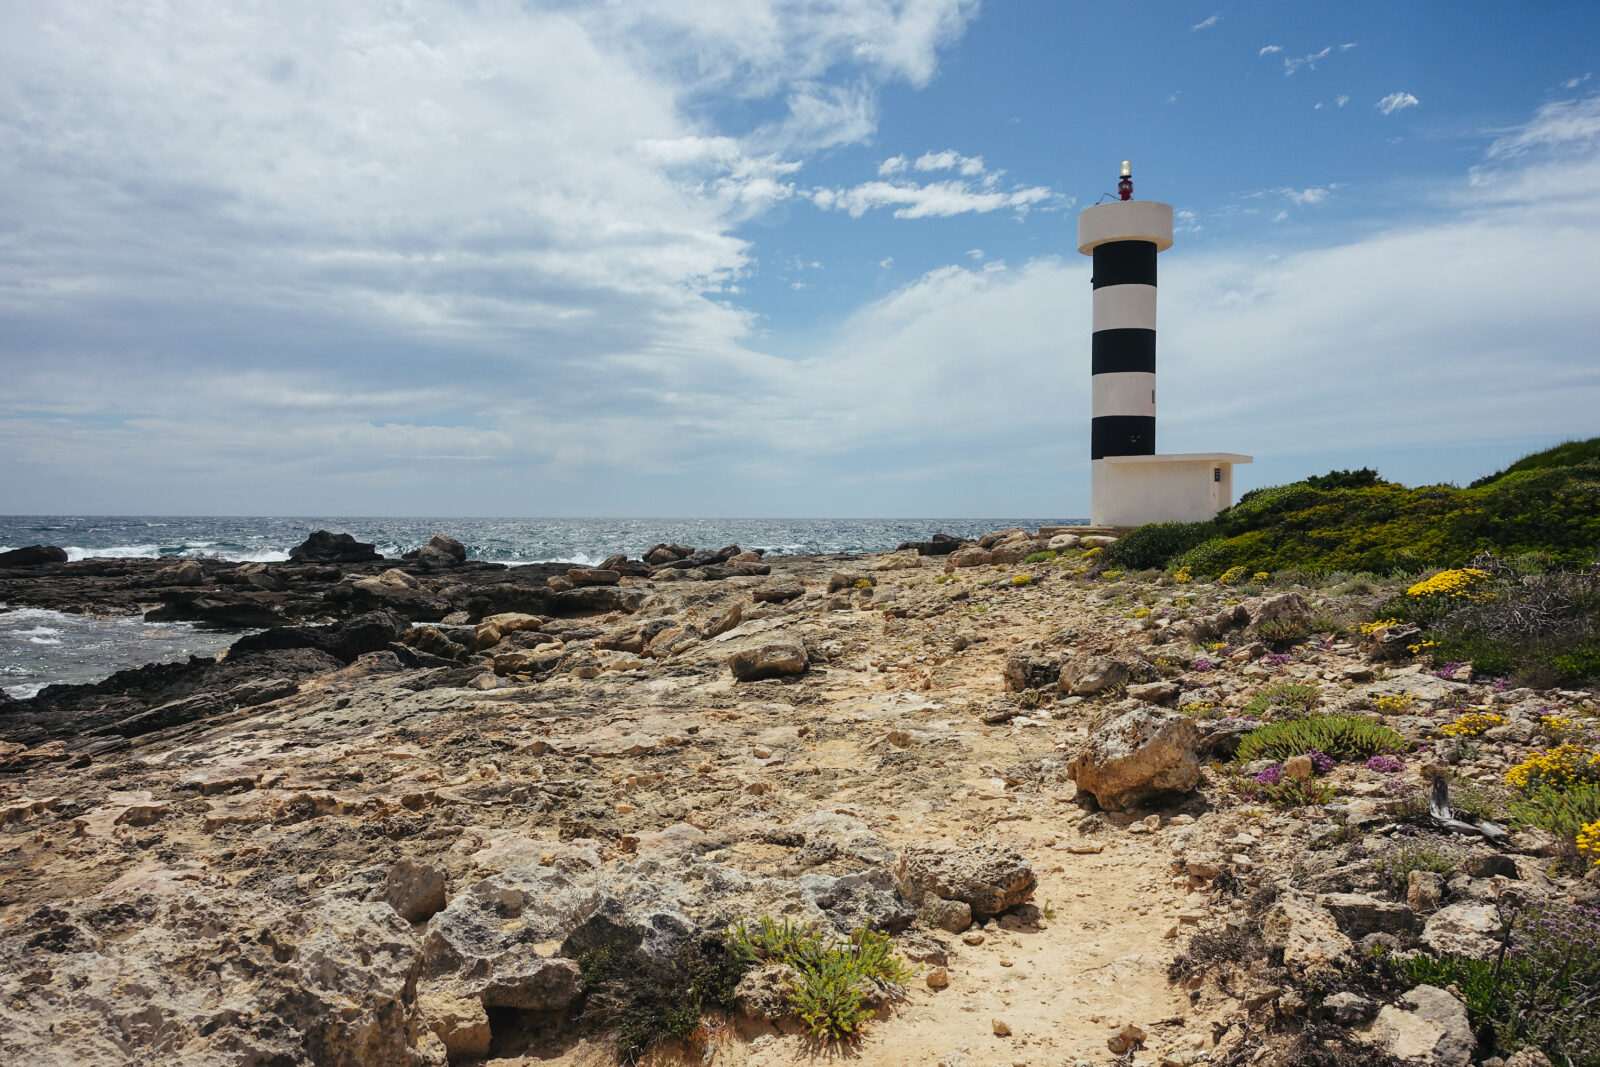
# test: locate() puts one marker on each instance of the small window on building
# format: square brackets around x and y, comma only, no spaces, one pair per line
[1216,474]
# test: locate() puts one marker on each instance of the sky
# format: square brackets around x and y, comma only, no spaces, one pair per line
[773,257]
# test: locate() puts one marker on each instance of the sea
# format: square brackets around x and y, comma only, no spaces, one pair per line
[40,648]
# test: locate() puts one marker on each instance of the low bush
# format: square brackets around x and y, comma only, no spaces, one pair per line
[646,999]
[1562,811]
[839,980]
[1153,545]
[1283,699]
[1395,864]
[1542,991]
[1340,736]
[1040,557]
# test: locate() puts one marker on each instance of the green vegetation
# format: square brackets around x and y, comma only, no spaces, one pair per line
[1338,736]
[1039,557]
[839,981]
[1562,810]
[1394,865]
[1283,699]
[646,999]
[1540,993]
[1547,504]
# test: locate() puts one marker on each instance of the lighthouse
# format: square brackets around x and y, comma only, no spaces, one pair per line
[1130,484]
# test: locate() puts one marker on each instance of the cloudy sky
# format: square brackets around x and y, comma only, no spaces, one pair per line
[772,257]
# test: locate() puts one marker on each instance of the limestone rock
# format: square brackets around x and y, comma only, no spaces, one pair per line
[1090,675]
[1423,890]
[189,572]
[951,916]
[763,993]
[529,983]
[1030,670]
[415,891]
[1136,756]
[1308,935]
[1428,1027]
[1162,692]
[868,897]
[968,557]
[1284,609]
[1347,1009]
[1359,915]
[988,878]
[1464,930]
[460,1022]
[778,592]
[729,619]
[896,561]
[775,659]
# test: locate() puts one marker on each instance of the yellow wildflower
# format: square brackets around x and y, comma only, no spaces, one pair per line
[1380,624]
[1562,765]
[1232,576]
[1260,576]
[1465,582]
[1473,723]
[1183,577]
[1589,842]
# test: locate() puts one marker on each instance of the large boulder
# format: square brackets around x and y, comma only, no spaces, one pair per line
[939,545]
[1089,676]
[33,556]
[325,547]
[1138,755]
[1429,1026]
[774,659]
[987,878]
[344,641]
[441,553]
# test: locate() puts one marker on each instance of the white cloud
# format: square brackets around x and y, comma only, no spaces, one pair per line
[1341,100]
[886,262]
[1396,102]
[1207,23]
[933,200]
[892,165]
[1573,83]
[950,159]
[1293,63]
[1270,49]
[1557,124]
[1314,195]
[974,253]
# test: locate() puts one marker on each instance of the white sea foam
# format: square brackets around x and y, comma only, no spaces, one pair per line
[74,553]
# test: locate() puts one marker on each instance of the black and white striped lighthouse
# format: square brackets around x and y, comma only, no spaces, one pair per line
[1130,484]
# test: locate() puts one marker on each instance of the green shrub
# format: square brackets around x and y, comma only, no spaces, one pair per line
[1547,505]
[1395,864]
[1541,993]
[839,980]
[1156,544]
[1339,736]
[1560,810]
[645,998]
[1282,633]
[1283,698]
[1360,479]
[1289,793]
[1039,557]
[1567,454]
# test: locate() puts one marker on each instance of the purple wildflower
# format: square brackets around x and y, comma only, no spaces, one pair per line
[1501,684]
[1273,775]
[1385,764]
[1321,762]
[1201,665]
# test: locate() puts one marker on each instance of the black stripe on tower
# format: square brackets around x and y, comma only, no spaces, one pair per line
[1121,351]
[1124,263]
[1122,435]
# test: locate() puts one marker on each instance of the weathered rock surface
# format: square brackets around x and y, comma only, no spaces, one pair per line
[989,879]
[1136,756]
[1464,930]
[1307,934]
[325,547]
[775,659]
[33,556]
[1428,1027]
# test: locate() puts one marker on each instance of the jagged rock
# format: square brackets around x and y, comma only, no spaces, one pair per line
[763,993]
[1428,1027]
[189,572]
[1138,755]
[1030,670]
[529,983]
[973,556]
[332,981]
[1085,676]
[1347,1009]
[440,553]
[1310,939]
[414,890]
[1424,890]
[778,592]
[868,897]
[345,640]
[1391,642]
[435,642]
[1155,692]
[1464,930]
[33,556]
[459,1022]
[897,561]
[666,553]
[1284,608]
[951,916]
[1205,863]
[1219,738]
[1359,915]
[729,619]
[939,545]
[775,659]
[988,878]
[325,547]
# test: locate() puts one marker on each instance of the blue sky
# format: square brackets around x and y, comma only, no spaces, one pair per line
[760,257]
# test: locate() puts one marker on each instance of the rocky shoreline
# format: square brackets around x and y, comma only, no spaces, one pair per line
[402,821]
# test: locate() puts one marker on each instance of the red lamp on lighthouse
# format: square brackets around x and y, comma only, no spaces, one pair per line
[1125,186]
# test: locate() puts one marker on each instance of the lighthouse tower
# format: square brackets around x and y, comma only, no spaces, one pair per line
[1130,484]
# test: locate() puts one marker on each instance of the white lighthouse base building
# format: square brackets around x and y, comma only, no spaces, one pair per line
[1183,487]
